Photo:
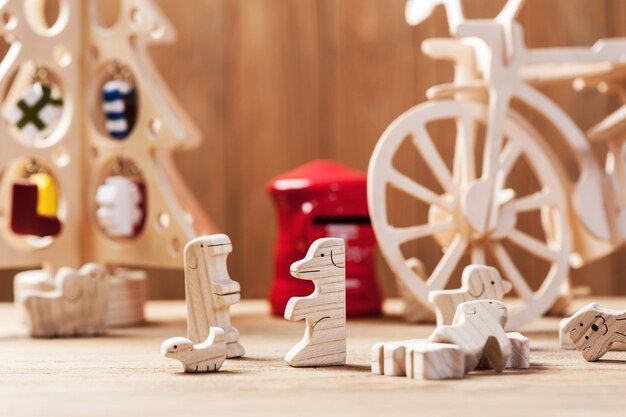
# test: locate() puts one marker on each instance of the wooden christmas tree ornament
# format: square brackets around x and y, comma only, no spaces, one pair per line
[473,213]
[210,291]
[207,356]
[593,330]
[66,108]
[324,311]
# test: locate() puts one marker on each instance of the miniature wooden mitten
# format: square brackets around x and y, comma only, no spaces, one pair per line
[479,282]
[207,356]
[478,329]
[593,330]
[77,306]
[210,292]
[324,341]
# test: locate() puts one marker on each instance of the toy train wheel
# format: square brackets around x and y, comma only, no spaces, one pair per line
[448,200]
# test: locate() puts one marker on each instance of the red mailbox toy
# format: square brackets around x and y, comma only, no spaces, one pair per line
[324,199]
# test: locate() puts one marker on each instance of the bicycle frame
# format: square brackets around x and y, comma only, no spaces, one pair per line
[502,62]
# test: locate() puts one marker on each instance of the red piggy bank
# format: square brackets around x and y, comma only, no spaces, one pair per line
[324,199]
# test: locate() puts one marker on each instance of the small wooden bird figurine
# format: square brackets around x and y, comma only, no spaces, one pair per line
[207,356]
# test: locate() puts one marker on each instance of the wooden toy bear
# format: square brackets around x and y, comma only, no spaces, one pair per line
[207,356]
[210,292]
[76,307]
[594,329]
[324,341]
[479,282]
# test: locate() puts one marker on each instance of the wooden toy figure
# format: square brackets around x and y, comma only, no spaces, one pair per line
[207,356]
[476,339]
[594,329]
[210,292]
[324,341]
[480,282]
[76,307]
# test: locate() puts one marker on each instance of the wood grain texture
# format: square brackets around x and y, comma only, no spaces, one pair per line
[479,282]
[76,307]
[275,83]
[324,311]
[207,356]
[210,292]
[594,329]
[124,375]
[478,329]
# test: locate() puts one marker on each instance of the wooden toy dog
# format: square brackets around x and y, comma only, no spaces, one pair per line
[324,341]
[594,329]
[207,356]
[479,282]
[473,341]
[77,306]
[478,329]
[210,292]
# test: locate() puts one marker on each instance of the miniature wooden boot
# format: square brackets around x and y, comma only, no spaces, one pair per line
[210,292]
[25,220]
[324,341]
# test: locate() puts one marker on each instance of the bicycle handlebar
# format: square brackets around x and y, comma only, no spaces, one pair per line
[417,11]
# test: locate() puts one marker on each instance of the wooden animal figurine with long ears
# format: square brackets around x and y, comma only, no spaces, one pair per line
[324,311]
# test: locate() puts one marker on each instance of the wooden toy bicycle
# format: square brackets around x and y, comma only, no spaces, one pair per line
[477,212]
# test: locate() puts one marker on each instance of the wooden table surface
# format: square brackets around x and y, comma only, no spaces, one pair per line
[123,374]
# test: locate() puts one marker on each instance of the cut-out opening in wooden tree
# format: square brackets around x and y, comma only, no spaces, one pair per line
[478,209]
[84,105]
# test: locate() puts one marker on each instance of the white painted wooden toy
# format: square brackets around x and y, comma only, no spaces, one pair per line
[53,83]
[210,291]
[76,307]
[475,340]
[324,311]
[207,356]
[479,282]
[475,212]
[594,330]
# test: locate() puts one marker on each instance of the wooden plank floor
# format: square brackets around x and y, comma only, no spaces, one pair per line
[124,375]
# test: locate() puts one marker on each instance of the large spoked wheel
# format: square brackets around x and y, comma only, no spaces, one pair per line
[504,242]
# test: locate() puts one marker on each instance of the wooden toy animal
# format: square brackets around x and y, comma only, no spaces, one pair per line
[422,359]
[210,292]
[594,329]
[478,329]
[76,307]
[324,341]
[479,282]
[207,356]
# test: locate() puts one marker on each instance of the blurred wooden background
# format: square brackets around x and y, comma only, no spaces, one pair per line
[276,83]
